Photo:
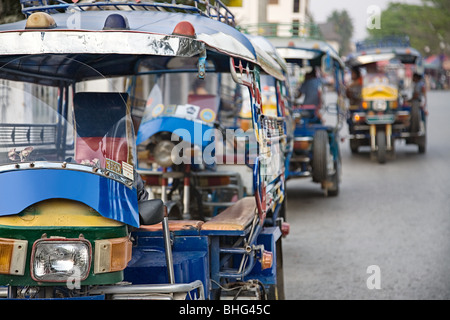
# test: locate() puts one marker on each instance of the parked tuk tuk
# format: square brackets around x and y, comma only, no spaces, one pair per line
[381,112]
[316,151]
[76,221]
[217,133]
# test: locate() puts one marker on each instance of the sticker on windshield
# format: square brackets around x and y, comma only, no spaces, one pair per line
[157,110]
[113,166]
[127,170]
[170,110]
[207,115]
[188,111]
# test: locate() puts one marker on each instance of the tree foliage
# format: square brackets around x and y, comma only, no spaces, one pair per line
[427,25]
[343,25]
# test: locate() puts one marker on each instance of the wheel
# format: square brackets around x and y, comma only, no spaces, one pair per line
[336,179]
[415,118]
[422,140]
[381,143]
[354,144]
[320,156]
[416,122]
[422,143]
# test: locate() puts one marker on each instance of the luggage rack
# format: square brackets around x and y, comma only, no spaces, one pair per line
[386,42]
[217,11]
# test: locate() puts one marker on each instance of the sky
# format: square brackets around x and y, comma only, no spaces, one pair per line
[357,9]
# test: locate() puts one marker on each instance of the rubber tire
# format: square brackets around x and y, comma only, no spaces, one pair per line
[381,144]
[354,145]
[415,118]
[336,180]
[319,161]
[422,144]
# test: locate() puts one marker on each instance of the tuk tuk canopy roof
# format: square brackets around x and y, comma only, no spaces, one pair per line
[80,36]
[405,55]
[312,50]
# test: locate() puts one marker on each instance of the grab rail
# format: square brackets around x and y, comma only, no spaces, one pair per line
[217,11]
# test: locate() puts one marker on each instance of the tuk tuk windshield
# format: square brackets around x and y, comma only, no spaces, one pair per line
[380,79]
[47,125]
[183,95]
[215,99]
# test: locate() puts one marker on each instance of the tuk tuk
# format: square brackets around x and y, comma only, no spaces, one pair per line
[76,221]
[382,113]
[209,124]
[316,151]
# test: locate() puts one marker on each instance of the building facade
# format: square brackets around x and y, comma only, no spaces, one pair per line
[266,13]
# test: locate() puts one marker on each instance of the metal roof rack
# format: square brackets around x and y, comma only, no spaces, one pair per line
[386,42]
[214,9]
[283,30]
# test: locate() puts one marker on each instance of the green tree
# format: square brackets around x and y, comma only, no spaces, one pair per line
[343,25]
[426,25]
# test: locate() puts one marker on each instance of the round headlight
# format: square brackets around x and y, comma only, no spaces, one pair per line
[379,105]
[163,153]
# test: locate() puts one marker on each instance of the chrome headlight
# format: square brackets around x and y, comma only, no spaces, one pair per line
[163,153]
[379,105]
[56,260]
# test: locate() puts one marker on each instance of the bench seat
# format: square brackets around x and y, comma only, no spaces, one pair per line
[234,218]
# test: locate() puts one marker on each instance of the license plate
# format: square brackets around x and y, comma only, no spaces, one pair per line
[380,119]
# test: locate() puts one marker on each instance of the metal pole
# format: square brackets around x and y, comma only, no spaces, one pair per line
[168,247]
[186,192]
[164,186]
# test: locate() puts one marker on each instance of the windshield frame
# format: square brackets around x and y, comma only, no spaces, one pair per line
[58,148]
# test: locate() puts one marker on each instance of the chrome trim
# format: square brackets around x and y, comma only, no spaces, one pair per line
[139,290]
[357,136]
[101,42]
[303,139]
[32,165]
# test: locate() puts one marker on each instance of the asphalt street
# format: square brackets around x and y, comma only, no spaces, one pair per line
[395,216]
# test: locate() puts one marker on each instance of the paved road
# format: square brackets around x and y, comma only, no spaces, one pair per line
[395,216]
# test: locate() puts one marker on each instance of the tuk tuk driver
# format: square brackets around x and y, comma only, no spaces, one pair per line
[354,90]
[419,91]
[311,88]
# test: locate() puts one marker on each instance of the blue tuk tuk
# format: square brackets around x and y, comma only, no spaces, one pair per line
[316,151]
[74,81]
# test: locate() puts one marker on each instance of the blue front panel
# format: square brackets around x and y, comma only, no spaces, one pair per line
[308,130]
[148,263]
[112,199]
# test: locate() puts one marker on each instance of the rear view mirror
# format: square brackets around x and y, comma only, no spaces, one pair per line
[151,211]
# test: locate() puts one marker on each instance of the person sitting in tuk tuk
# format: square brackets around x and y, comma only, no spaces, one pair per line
[354,90]
[311,88]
